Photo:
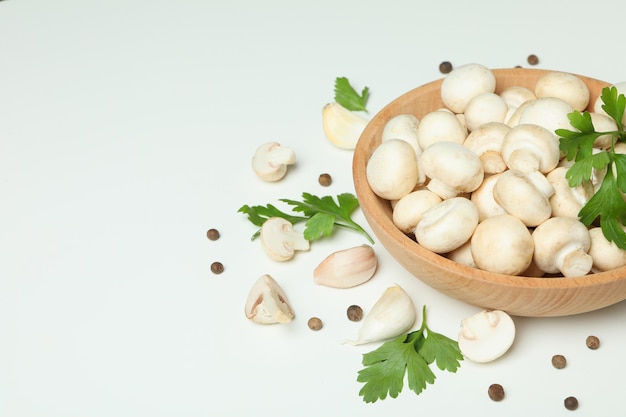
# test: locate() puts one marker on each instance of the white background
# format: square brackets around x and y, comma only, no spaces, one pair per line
[126,131]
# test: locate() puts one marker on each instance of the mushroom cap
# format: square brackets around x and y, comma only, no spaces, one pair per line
[447,225]
[464,83]
[605,254]
[486,336]
[547,112]
[408,211]
[502,244]
[566,200]
[403,126]
[280,240]
[392,169]
[603,123]
[267,302]
[528,148]
[486,142]
[514,96]
[462,255]
[517,194]
[438,126]
[270,161]
[452,169]
[485,108]
[483,199]
[597,106]
[565,86]
[561,245]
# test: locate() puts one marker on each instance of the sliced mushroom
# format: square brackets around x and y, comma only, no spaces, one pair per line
[267,302]
[486,336]
[280,240]
[271,159]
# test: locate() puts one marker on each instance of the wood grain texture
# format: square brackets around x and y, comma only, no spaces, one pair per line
[520,296]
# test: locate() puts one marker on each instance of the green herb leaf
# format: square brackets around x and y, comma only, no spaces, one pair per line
[321,214]
[607,204]
[347,96]
[409,354]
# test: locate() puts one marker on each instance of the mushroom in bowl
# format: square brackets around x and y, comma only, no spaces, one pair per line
[520,295]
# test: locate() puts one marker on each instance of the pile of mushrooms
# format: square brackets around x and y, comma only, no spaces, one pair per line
[482,180]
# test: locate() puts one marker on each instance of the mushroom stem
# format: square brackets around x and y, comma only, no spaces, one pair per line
[573,261]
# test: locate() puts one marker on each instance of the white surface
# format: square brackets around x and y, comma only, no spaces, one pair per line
[126,131]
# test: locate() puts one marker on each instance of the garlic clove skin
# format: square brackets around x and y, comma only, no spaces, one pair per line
[347,268]
[393,315]
[341,126]
[267,302]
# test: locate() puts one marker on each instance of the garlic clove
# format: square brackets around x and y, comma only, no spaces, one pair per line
[341,126]
[393,315]
[267,302]
[347,268]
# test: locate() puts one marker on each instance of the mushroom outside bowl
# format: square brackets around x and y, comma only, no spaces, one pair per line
[517,295]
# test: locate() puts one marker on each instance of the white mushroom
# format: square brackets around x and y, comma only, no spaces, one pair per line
[605,254]
[267,302]
[516,95]
[438,126]
[565,86]
[520,197]
[408,211]
[484,201]
[485,108]
[502,244]
[486,336]
[392,170]
[621,89]
[547,112]
[566,200]
[561,245]
[464,83]
[342,127]
[603,123]
[452,168]
[271,159]
[529,148]
[280,240]
[486,142]
[463,255]
[447,225]
[403,126]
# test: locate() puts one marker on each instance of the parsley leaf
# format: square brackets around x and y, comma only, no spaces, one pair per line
[409,354]
[347,96]
[320,214]
[607,203]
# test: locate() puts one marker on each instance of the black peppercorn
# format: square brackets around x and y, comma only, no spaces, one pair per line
[315,323]
[213,234]
[571,403]
[325,180]
[559,361]
[533,59]
[445,67]
[355,313]
[593,342]
[217,267]
[496,392]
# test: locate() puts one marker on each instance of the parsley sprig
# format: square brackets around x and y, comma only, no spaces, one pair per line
[347,96]
[320,214]
[607,203]
[409,354]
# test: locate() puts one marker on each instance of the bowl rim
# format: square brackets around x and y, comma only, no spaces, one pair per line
[372,205]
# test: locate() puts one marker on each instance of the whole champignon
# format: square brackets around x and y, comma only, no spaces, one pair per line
[452,169]
[547,112]
[271,159]
[464,83]
[408,211]
[484,108]
[342,127]
[438,126]
[605,254]
[486,142]
[267,302]
[280,240]
[514,96]
[502,244]
[603,123]
[530,148]
[486,336]
[403,126]
[447,225]
[565,86]
[520,197]
[561,245]
[462,255]
[484,201]
[566,200]
[392,169]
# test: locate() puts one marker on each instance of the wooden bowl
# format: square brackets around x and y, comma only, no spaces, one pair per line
[517,295]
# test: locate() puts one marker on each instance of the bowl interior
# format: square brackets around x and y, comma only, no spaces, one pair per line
[522,296]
